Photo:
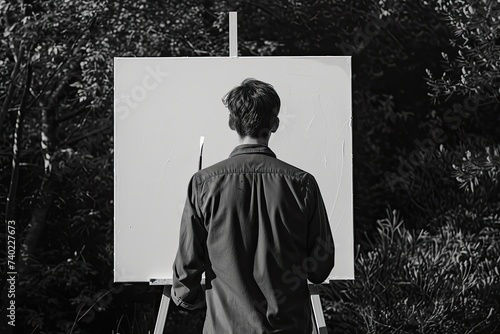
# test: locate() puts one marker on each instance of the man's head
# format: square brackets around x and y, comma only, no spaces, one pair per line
[253,109]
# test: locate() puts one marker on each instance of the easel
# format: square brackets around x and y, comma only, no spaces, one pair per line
[317,309]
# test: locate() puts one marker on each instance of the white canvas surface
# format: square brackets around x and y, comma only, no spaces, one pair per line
[164,105]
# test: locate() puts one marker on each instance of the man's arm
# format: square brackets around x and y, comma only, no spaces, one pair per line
[189,262]
[320,246]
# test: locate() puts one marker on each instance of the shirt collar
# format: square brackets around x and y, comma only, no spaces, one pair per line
[252,149]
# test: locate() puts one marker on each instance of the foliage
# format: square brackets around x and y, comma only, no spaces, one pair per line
[417,282]
[473,68]
[482,166]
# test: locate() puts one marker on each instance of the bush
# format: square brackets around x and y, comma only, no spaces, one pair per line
[413,281]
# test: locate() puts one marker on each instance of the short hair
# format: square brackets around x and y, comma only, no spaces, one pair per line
[252,106]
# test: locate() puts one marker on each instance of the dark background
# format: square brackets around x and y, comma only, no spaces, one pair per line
[426,116]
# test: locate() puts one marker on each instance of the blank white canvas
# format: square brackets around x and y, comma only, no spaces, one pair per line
[164,105]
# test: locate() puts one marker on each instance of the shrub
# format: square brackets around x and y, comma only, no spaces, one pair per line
[413,281]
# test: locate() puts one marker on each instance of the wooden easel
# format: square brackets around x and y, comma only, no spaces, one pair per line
[164,303]
[317,309]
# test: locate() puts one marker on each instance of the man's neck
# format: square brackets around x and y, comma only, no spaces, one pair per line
[251,140]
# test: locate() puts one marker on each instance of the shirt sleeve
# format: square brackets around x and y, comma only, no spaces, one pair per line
[189,266]
[320,245]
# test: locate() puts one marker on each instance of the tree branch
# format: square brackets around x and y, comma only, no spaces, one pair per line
[14,180]
[71,115]
[16,150]
[105,130]
[12,85]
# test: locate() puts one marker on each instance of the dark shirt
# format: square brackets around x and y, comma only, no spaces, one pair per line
[258,228]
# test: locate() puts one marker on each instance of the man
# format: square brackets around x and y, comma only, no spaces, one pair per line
[256,226]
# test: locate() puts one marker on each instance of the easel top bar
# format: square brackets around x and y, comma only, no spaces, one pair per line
[233,34]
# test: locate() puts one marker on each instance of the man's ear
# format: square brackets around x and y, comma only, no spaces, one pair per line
[275,125]
[231,123]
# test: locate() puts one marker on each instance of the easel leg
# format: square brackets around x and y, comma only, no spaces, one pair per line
[317,309]
[162,312]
